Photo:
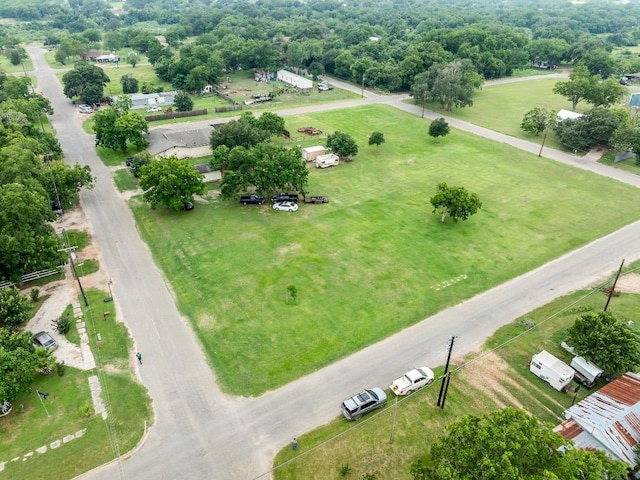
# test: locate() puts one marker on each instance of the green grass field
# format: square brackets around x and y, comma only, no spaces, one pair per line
[374,259]
[485,383]
[29,426]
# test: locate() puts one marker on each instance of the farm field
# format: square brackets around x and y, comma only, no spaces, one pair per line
[375,259]
[482,383]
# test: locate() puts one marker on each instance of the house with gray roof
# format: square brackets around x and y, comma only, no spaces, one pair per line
[188,143]
[607,420]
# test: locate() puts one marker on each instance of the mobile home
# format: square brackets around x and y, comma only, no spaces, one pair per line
[552,370]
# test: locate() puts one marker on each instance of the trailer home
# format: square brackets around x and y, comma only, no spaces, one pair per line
[327,160]
[586,372]
[552,370]
[310,153]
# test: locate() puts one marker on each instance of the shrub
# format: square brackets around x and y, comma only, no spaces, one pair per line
[60,368]
[34,294]
[345,470]
[62,324]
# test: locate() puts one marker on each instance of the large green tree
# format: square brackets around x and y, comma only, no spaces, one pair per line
[170,182]
[456,202]
[342,144]
[579,87]
[267,167]
[27,241]
[606,341]
[63,182]
[453,84]
[118,126]
[17,364]
[14,308]
[511,444]
[240,133]
[85,81]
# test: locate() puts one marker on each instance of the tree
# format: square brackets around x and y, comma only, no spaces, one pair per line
[129,84]
[271,122]
[17,364]
[117,126]
[595,127]
[183,102]
[420,90]
[453,84]
[238,133]
[606,94]
[170,182]
[63,182]
[132,58]
[439,128]
[14,308]
[342,145]
[456,202]
[377,139]
[27,241]
[267,167]
[84,81]
[579,86]
[139,160]
[536,121]
[606,341]
[511,444]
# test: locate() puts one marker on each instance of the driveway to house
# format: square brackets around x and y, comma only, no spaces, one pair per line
[201,433]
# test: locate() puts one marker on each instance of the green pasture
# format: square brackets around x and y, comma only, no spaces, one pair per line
[7,66]
[480,384]
[69,408]
[375,259]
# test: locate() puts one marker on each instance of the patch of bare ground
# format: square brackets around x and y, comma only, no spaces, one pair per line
[629,283]
[495,378]
[491,374]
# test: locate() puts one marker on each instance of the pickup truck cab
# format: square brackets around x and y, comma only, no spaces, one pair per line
[251,200]
[412,380]
[285,197]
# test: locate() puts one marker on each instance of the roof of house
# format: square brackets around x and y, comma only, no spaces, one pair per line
[607,420]
[566,114]
[162,139]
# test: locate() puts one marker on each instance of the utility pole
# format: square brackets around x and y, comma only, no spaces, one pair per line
[445,376]
[362,93]
[72,255]
[613,287]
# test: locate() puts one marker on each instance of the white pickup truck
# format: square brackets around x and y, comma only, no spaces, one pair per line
[412,381]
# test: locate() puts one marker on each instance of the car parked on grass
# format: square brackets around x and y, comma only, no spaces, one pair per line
[187,205]
[285,197]
[353,408]
[251,200]
[44,340]
[286,206]
[154,109]
[412,380]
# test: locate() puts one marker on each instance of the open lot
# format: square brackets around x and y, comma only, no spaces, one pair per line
[480,384]
[375,259]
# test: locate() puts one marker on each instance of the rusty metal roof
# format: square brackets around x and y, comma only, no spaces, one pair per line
[607,420]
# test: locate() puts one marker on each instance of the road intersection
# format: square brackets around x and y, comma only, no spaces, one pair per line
[200,432]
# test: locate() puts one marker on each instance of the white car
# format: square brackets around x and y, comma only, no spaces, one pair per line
[286,206]
[85,109]
[154,109]
[412,381]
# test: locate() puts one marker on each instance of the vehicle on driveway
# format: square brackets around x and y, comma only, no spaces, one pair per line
[44,340]
[154,109]
[251,200]
[412,380]
[286,206]
[285,197]
[353,408]
[85,108]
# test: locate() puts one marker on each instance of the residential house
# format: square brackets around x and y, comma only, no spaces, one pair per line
[607,420]
[295,80]
[187,143]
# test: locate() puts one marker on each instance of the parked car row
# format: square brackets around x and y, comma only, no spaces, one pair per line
[283,201]
[368,400]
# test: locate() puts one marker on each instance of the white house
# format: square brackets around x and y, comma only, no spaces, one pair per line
[295,80]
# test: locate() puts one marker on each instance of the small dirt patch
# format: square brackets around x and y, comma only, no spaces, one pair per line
[629,283]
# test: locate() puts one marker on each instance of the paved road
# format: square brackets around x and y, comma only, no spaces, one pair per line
[201,433]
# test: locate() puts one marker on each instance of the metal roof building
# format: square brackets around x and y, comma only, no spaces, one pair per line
[607,420]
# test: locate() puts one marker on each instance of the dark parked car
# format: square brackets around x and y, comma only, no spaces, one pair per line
[129,161]
[353,408]
[251,200]
[188,205]
[285,197]
[44,340]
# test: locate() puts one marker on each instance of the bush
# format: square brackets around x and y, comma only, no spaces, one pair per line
[183,102]
[345,470]
[34,294]
[60,368]
[62,324]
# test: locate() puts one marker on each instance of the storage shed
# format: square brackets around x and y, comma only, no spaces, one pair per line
[310,153]
[295,80]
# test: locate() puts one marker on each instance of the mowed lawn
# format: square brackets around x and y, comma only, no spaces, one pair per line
[375,259]
[501,107]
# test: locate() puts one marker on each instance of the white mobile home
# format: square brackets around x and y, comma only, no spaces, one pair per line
[327,160]
[295,80]
[310,153]
[586,372]
[552,370]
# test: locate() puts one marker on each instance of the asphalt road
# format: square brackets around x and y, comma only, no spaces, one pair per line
[201,433]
